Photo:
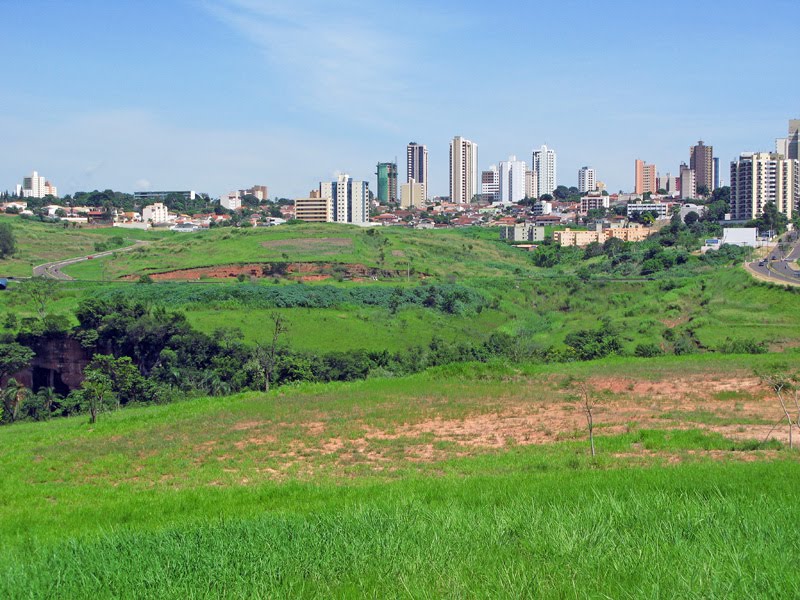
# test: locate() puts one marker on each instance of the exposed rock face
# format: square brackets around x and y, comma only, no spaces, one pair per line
[58,363]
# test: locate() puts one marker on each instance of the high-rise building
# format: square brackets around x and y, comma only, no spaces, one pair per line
[587,180]
[701,161]
[463,170]
[668,183]
[35,186]
[759,178]
[412,195]
[490,184]
[417,164]
[688,182]
[793,145]
[512,180]
[387,182]
[348,199]
[646,179]
[531,184]
[544,167]
[716,174]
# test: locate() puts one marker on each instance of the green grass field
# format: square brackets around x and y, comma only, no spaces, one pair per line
[381,489]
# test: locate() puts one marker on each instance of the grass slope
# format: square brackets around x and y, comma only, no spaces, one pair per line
[192,499]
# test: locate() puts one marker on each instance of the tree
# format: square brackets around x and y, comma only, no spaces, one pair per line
[95,393]
[691,218]
[8,243]
[588,402]
[702,191]
[265,355]
[14,396]
[782,384]
[41,291]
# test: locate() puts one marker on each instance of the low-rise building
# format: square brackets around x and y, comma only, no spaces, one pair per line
[522,232]
[155,213]
[659,208]
[312,210]
[412,195]
[594,202]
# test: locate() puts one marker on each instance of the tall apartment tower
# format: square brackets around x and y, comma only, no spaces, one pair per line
[531,184]
[35,186]
[793,150]
[544,168]
[646,179]
[463,170]
[701,161]
[348,199]
[717,184]
[512,180]
[758,178]
[490,184]
[387,182]
[587,180]
[417,164]
[688,182]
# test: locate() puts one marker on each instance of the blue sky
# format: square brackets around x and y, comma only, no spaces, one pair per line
[213,95]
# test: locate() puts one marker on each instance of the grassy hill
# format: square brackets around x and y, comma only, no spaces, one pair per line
[39,243]
[465,481]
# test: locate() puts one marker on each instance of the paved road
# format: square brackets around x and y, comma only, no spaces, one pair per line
[53,270]
[776,268]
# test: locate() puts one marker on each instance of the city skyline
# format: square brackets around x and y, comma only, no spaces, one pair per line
[289,95]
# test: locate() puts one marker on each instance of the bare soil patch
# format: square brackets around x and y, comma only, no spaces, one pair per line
[323,246]
[298,271]
[623,405]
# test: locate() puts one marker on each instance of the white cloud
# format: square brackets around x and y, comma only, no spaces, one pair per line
[335,60]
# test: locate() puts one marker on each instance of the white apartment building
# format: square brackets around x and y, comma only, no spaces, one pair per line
[660,208]
[544,166]
[231,200]
[348,198]
[587,180]
[155,213]
[35,186]
[412,195]
[688,183]
[490,184]
[531,184]
[759,178]
[668,183]
[512,181]
[463,170]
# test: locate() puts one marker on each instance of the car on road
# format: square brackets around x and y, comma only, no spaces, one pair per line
[761,263]
[90,257]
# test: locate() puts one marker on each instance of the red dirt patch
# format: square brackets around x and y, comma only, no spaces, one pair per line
[299,271]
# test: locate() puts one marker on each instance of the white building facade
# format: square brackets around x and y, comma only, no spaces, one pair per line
[156,213]
[463,170]
[587,180]
[490,184]
[35,186]
[348,198]
[544,166]
[759,178]
[512,181]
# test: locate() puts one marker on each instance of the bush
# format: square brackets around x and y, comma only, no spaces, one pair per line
[648,350]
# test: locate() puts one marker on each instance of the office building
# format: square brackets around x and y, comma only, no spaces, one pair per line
[387,182]
[587,180]
[701,161]
[512,180]
[657,208]
[716,174]
[348,199]
[313,209]
[758,178]
[412,195]
[544,168]
[688,182]
[35,186]
[646,179]
[417,164]
[490,184]
[463,170]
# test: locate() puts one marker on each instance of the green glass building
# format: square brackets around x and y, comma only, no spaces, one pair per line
[387,182]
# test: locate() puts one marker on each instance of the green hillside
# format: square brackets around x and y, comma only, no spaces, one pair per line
[474,479]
